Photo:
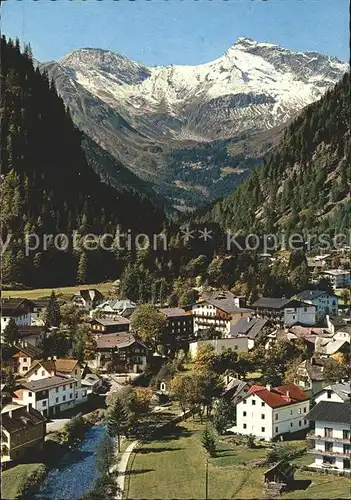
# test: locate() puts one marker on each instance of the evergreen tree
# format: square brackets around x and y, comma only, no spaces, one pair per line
[208,441]
[52,313]
[82,271]
[117,420]
[11,333]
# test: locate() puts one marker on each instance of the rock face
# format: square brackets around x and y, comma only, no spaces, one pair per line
[134,110]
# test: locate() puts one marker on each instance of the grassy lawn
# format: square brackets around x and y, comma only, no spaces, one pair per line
[174,467]
[39,293]
[13,480]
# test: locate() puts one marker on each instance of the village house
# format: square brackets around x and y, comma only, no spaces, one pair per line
[88,299]
[31,334]
[112,308]
[339,327]
[338,393]
[120,353]
[310,375]
[92,383]
[179,322]
[219,313]
[284,311]
[324,302]
[24,357]
[269,412]
[22,431]
[339,278]
[331,435]
[326,347]
[22,310]
[103,326]
[52,386]
[248,328]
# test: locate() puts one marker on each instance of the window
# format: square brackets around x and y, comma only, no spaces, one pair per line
[329,460]
[276,429]
[328,432]
[24,360]
[76,395]
[244,426]
[25,368]
[263,404]
[244,402]
[290,412]
[276,416]
[346,434]
[329,394]
[43,372]
[263,416]
[57,389]
[328,446]
[56,400]
[71,395]
[253,402]
[291,424]
[63,387]
[244,413]
[305,409]
[263,429]
[29,393]
[347,449]
[43,403]
[299,411]
[70,386]
[300,423]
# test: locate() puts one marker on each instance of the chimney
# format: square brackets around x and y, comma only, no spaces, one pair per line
[288,394]
[268,387]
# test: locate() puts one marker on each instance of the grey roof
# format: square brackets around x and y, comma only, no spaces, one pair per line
[249,327]
[342,389]
[234,387]
[314,369]
[118,320]
[312,294]
[173,312]
[117,341]
[227,305]
[271,302]
[30,351]
[329,411]
[47,383]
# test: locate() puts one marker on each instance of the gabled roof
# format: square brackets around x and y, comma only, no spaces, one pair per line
[89,294]
[15,307]
[46,383]
[225,305]
[249,327]
[60,365]
[21,419]
[118,320]
[277,397]
[342,389]
[329,346]
[27,331]
[173,312]
[29,351]
[329,411]
[276,303]
[315,369]
[312,294]
[117,305]
[117,341]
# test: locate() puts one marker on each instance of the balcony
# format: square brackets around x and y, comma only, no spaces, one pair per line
[314,436]
[341,454]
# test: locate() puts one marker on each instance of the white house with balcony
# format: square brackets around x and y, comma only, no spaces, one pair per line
[268,412]
[331,436]
[284,311]
[340,278]
[338,393]
[52,386]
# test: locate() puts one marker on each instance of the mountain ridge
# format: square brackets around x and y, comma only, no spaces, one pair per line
[142,114]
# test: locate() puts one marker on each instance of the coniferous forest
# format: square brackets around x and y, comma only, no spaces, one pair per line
[305,183]
[48,186]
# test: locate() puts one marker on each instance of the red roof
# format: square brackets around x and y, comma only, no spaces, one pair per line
[282,395]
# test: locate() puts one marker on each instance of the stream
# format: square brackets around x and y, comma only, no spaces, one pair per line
[75,473]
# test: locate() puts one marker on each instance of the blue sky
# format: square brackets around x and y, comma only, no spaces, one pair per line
[175,31]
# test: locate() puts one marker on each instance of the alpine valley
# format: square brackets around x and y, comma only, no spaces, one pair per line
[192,132]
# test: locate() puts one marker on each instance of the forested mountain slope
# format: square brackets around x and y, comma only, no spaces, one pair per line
[305,183]
[48,186]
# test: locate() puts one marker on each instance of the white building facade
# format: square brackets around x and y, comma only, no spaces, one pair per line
[267,413]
